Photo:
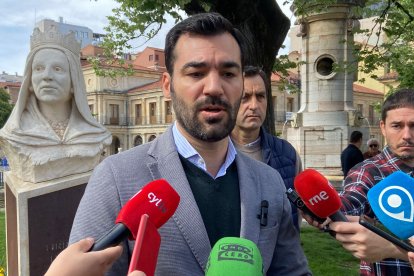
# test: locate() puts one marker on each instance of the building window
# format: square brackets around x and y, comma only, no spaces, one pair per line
[360,108]
[113,114]
[156,57]
[137,141]
[371,114]
[153,111]
[151,57]
[168,112]
[138,114]
[289,105]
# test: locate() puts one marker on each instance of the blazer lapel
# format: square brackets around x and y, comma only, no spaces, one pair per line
[187,216]
[250,196]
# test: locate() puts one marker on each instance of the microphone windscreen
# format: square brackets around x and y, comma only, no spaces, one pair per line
[234,256]
[157,199]
[391,200]
[317,193]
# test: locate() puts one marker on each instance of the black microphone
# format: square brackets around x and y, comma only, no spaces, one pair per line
[264,206]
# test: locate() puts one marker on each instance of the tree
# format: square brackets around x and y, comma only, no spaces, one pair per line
[391,39]
[5,107]
[261,21]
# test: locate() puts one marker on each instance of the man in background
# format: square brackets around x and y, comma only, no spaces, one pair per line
[252,139]
[352,155]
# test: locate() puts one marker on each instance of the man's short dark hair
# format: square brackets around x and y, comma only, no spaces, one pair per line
[252,71]
[355,136]
[399,99]
[206,24]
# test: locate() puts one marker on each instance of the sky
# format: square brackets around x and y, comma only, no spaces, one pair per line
[18,20]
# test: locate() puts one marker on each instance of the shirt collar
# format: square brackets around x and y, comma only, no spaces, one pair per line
[186,150]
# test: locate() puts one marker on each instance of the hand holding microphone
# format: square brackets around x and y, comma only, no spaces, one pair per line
[318,195]
[392,202]
[157,199]
[139,219]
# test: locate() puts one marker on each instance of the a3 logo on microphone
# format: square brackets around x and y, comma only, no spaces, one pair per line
[391,199]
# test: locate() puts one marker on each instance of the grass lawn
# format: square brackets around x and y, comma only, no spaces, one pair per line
[2,240]
[326,255]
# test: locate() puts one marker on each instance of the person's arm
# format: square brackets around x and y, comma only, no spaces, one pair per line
[363,243]
[76,260]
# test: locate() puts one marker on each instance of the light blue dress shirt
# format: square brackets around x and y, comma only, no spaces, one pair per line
[186,150]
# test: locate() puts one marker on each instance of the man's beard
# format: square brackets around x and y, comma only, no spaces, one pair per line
[406,156]
[187,117]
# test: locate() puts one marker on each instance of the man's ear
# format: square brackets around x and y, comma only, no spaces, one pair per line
[382,126]
[166,85]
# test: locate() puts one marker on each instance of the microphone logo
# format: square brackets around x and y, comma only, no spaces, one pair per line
[235,252]
[391,201]
[157,202]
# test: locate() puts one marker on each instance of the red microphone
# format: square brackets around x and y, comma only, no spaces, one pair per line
[157,199]
[319,195]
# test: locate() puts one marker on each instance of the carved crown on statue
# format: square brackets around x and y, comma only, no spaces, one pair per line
[53,36]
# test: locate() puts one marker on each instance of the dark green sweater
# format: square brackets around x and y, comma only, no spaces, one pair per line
[218,200]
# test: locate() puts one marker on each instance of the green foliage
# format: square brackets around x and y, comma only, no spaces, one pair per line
[5,107]
[396,22]
[131,21]
[282,66]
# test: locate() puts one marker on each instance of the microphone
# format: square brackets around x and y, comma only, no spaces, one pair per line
[391,199]
[157,199]
[264,209]
[234,256]
[318,195]
[147,246]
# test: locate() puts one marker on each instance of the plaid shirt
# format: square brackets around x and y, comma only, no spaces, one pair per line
[354,202]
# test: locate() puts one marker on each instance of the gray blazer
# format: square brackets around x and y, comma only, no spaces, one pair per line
[185,245]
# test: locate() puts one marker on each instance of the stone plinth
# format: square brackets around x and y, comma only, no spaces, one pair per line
[39,219]
[320,147]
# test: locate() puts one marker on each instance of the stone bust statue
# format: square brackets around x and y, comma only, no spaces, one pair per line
[51,132]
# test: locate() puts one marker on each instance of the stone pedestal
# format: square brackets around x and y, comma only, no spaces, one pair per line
[39,218]
[320,147]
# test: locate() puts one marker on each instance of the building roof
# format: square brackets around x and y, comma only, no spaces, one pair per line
[150,86]
[10,84]
[362,89]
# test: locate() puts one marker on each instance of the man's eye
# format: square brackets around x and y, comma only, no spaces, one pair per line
[229,74]
[196,74]
[39,68]
[58,69]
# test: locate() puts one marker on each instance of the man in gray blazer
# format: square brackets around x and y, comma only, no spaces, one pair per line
[221,189]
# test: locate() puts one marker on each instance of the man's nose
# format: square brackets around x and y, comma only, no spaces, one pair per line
[253,103]
[213,84]
[408,133]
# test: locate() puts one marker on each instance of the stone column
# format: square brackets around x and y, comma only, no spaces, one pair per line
[326,118]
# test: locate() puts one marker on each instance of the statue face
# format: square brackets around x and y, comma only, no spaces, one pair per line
[51,78]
